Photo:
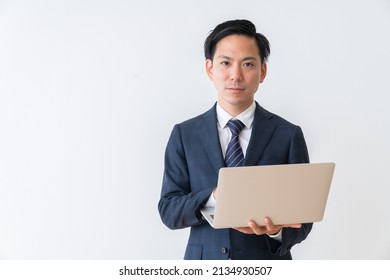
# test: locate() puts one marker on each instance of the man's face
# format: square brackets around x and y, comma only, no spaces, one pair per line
[236,71]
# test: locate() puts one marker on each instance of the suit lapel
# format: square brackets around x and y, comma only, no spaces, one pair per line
[262,131]
[208,133]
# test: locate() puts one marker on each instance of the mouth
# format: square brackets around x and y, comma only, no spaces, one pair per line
[235,89]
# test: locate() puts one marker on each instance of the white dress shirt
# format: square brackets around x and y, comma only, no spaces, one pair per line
[225,135]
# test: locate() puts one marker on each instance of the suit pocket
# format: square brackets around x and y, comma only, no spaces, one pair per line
[193,252]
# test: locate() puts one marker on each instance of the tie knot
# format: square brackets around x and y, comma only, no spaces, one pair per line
[235,126]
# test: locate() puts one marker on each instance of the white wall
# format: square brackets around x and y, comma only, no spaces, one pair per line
[90,90]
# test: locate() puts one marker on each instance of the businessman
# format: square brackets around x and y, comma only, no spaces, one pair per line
[236,131]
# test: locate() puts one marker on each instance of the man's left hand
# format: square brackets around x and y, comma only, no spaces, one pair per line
[268,228]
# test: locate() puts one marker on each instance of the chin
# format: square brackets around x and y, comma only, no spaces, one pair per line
[239,101]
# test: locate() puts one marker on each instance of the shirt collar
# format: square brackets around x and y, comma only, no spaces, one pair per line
[245,117]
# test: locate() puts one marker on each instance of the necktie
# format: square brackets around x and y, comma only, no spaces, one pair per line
[234,155]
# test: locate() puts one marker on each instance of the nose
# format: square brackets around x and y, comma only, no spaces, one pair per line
[235,73]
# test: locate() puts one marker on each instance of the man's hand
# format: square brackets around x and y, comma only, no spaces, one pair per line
[215,193]
[268,228]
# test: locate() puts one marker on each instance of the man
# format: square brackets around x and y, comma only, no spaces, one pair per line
[236,58]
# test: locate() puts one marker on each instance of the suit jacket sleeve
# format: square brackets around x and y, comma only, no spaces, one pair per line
[179,205]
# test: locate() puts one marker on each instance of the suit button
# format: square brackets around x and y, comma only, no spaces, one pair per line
[224,250]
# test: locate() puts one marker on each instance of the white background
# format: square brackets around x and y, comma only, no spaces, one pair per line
[90,90]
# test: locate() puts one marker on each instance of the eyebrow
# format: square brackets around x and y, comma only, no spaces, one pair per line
[229,58]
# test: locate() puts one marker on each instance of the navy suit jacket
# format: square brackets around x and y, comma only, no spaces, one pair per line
[193,158]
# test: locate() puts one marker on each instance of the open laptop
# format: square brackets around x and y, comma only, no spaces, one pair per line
[288,194]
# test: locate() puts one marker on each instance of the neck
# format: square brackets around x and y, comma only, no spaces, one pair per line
[234,110]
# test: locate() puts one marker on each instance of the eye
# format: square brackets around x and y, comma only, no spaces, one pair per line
[248,64]
[225,63]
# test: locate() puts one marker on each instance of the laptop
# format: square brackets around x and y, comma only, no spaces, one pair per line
[287,194]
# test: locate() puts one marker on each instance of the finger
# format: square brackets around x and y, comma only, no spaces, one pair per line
[268,221]
[256,228]
[215,193]
[271,228]
[293,225]
[246,230]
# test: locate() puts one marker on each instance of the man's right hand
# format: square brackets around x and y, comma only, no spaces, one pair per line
[215,193]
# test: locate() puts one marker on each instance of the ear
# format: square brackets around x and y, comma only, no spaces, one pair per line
[209,69]
[263,72]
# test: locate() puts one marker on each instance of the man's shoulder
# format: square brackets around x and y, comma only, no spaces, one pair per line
[271,117]
[194,121]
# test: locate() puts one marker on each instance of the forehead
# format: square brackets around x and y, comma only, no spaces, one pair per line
[236,46]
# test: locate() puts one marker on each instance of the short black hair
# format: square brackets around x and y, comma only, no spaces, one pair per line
[236,27]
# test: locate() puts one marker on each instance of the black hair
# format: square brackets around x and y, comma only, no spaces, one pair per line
[236,27]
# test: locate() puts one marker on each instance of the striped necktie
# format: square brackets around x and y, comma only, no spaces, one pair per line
[234,155]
